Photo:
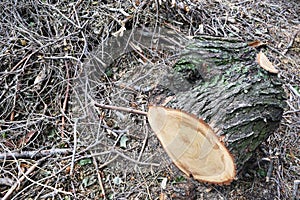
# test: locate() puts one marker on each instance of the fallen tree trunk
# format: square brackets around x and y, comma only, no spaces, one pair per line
[241,101]
[216,79]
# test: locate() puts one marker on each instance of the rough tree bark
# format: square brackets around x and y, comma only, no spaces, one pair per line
[229,90]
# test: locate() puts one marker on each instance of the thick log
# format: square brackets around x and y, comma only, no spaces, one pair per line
[241,101]
[216,79]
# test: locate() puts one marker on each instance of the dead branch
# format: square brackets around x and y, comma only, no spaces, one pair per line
[130,110]
[33,154]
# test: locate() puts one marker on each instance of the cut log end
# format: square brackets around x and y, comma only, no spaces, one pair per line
[192,145]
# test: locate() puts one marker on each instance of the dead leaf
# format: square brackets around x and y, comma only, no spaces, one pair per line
[23,42]
[26,138]
[256,43]
[117,180]
[192,145]
[123,141]
[40,78]
[264,62]
[68,169]
[10,144]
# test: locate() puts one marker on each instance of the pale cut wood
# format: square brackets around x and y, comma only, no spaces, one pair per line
[192,145]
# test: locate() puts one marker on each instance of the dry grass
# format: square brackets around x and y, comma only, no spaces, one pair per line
[45,102]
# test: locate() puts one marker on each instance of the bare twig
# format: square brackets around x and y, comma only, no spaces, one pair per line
[145,139]
[130,110]
[119,154]
[293,90]
[74,147]
[30,170]
[64,16]
[40,184]
[132,160]
[99,178]
[290,44]
[33,154]
[108,162]
[65,99]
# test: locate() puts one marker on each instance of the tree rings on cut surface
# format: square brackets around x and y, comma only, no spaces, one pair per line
[192,145]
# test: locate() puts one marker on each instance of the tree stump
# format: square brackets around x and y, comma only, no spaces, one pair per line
[227,88]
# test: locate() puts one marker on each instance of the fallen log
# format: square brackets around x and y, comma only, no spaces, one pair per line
[243,102]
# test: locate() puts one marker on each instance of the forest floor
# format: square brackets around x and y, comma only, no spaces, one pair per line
[55,144]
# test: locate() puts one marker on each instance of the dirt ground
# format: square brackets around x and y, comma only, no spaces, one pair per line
[55,144]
